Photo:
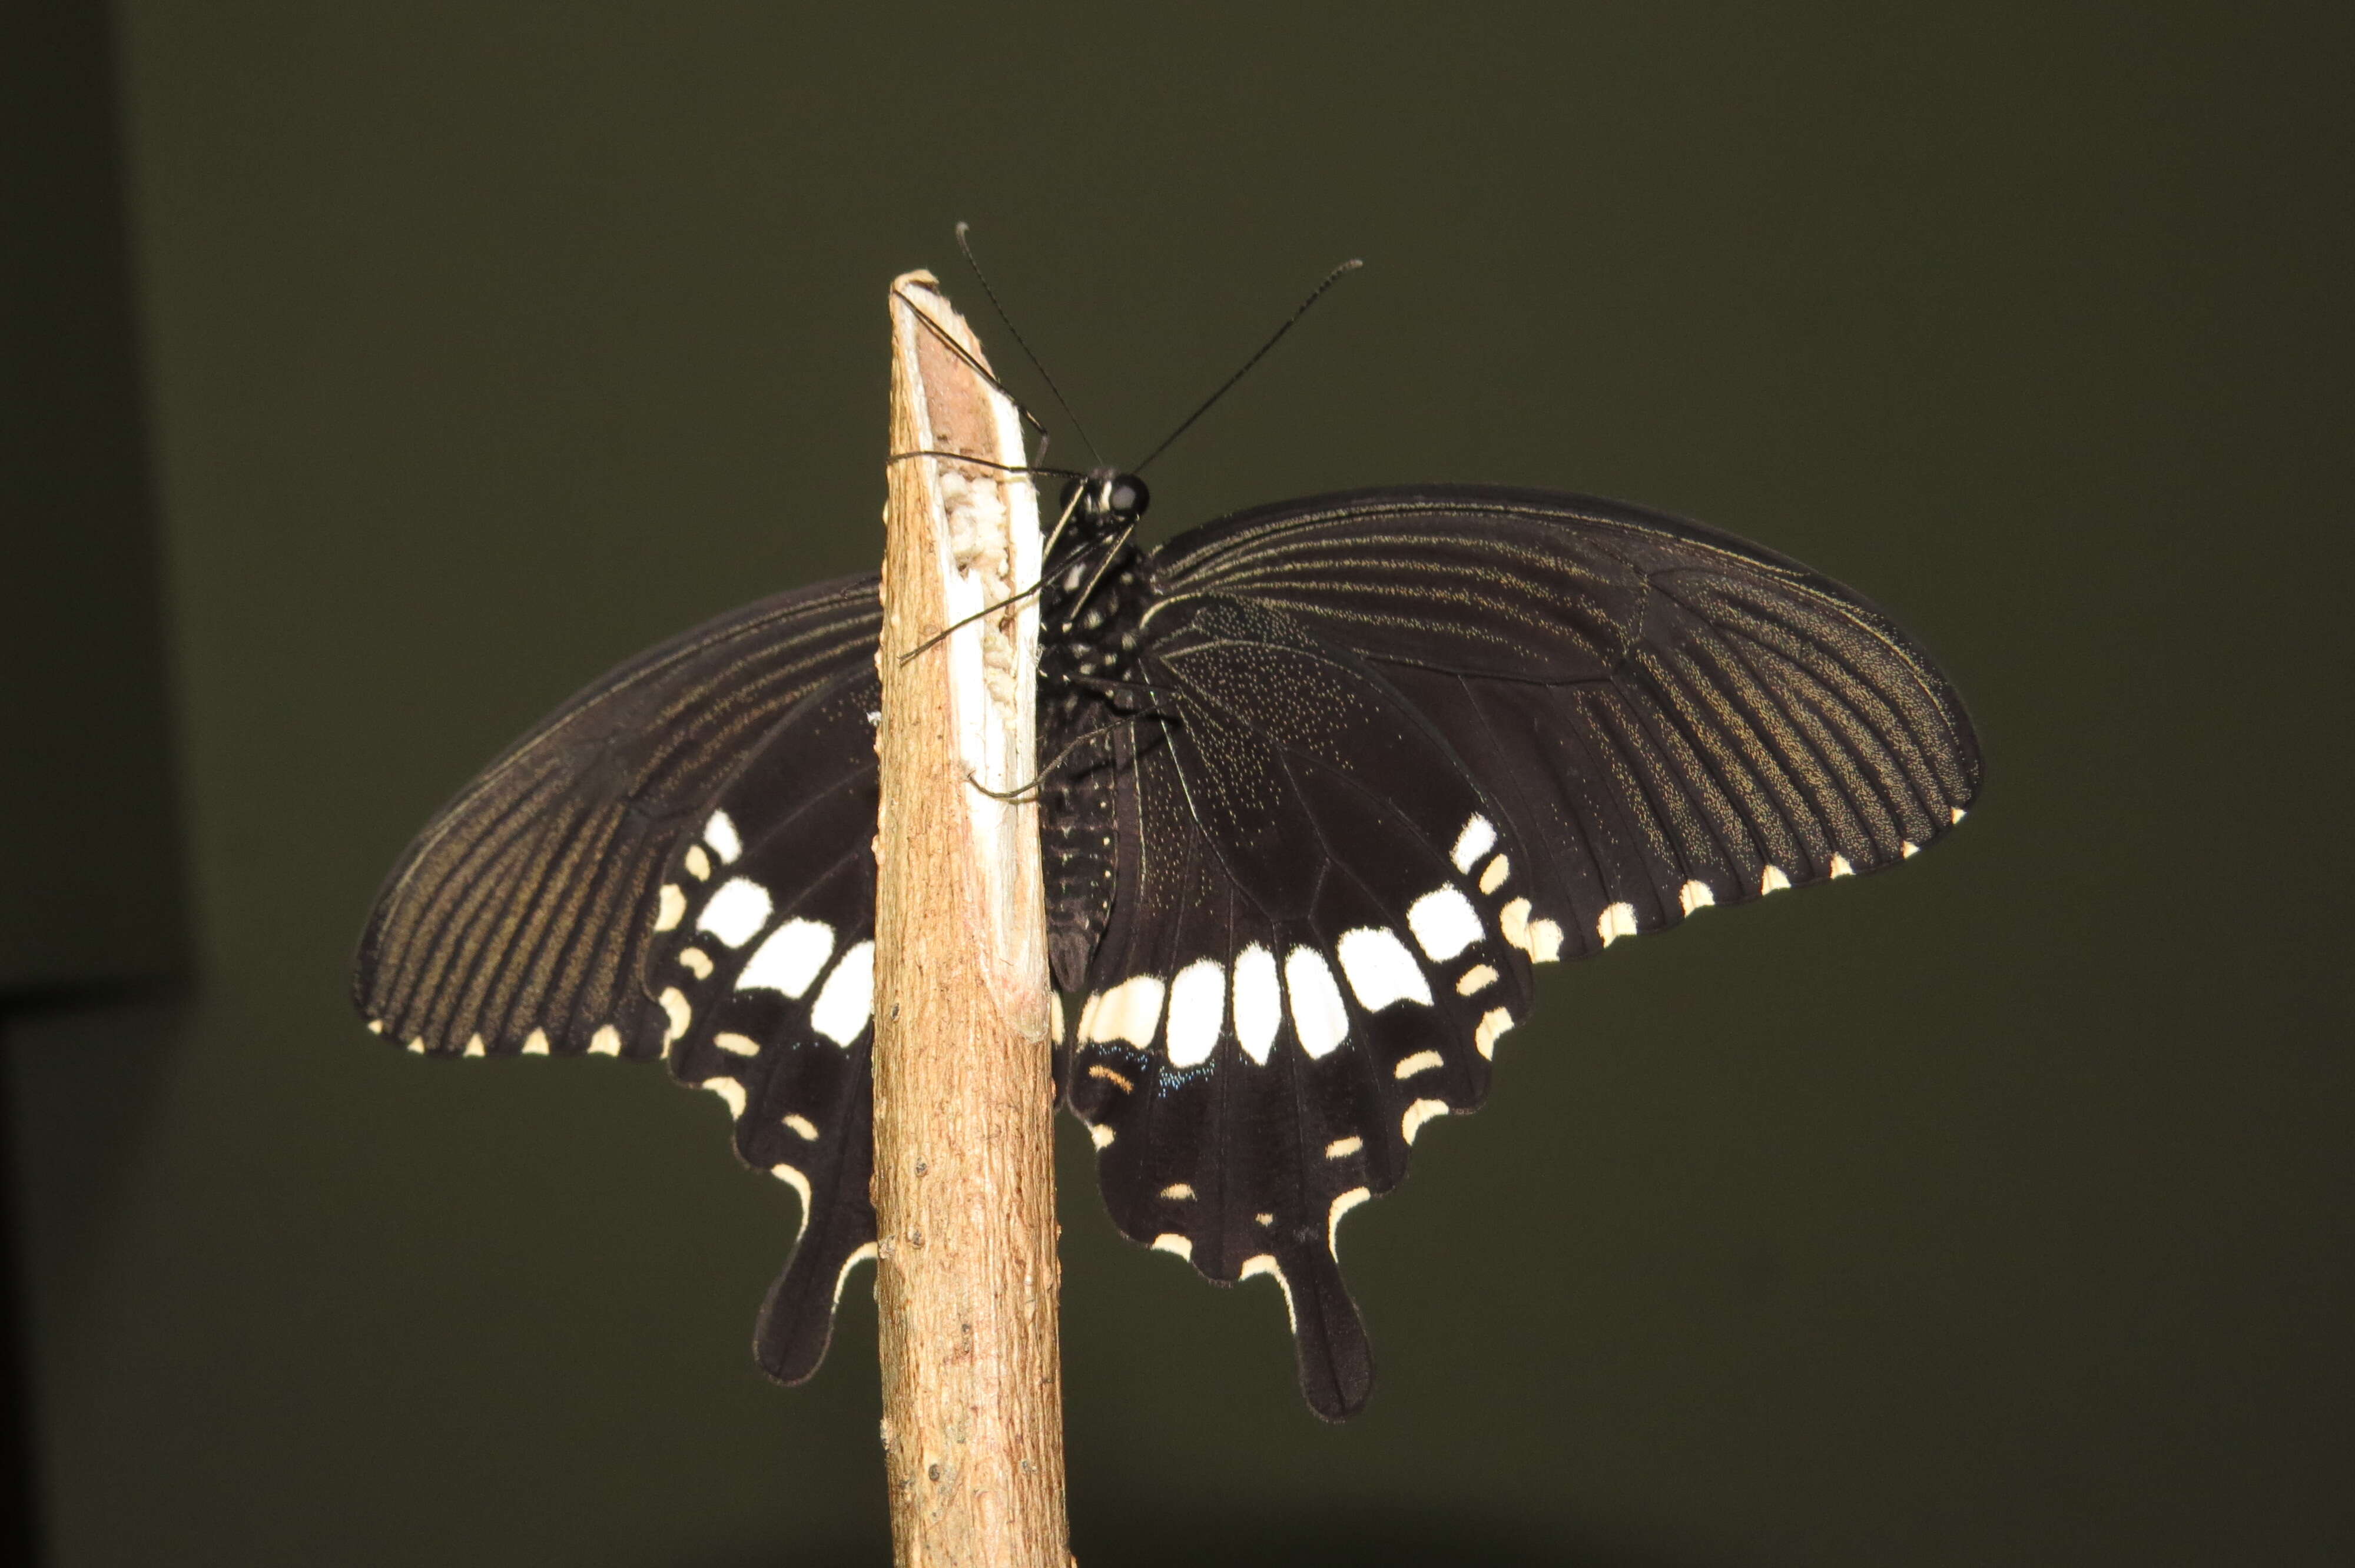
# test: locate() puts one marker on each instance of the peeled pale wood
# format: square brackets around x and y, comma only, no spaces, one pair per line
[967,1276]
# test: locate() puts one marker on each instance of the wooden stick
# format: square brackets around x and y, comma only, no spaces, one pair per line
[965,1179]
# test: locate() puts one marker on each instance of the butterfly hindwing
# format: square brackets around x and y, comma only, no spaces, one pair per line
[764,972]
[1304,966]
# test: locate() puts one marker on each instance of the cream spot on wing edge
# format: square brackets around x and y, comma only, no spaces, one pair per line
[1170,1241]
[1259,1002]
[1178,1191]
[1617,921]
[670,907]
[1958,811]
[799,1183]
[1421,1062]
[864,1254]
[376,1026]
[1130,1011]
[728,1089]
[1771,880]
[788,959]
[737,1044]
[847,999]
[1341,1205]
[475,1045]
[418,1045]
[1380,969]
[697,863]
[1695,895]
[606,1041]
[1493,876]
[1342,1147]
[1479,977]
[1545,941]
[1492,1024]
[696,961]
[536,1043]
[721,834]
[1478,837]
[1910,849]
[1055,1012]
[675,1008]
[1198,1010]
[1840,866]
[1265,1264]
[801,1125]
[1417,1114]
[1099,1135]
[1319,1017]
[1443,923]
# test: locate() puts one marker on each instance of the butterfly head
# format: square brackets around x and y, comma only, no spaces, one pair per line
[1105,502]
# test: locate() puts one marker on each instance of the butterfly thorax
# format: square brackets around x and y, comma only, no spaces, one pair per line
[1095,596]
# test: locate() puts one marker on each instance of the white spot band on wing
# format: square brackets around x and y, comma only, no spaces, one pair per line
[1318,1017]
[1342,1147]
[1380,969]
[1198,1010]
[1170,1241]
[1259,1002]
[1695,895]
[788,959]
[1443,923]
[736,913]
[1130,1011]
[1616,922]
[719,832]
[1478,837]
[1479,977]
[1494,1023]
[801,1125]
[670,907]
[737,1044]
[1493,876]
[847,999]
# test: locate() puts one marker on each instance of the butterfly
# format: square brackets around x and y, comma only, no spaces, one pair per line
[1321,784]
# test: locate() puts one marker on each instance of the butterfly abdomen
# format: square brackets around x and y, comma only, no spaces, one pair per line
[1088,639]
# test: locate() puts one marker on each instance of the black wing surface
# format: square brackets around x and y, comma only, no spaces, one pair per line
[678,865]
[520,919]
[1670,717]
[1401,745]
[1311,955]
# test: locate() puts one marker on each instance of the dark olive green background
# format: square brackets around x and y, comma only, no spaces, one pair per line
[1997,1209]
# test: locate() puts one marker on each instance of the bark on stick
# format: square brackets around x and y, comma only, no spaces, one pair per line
[966,1276]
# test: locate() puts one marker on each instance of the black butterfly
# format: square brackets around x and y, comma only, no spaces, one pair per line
[1321,782]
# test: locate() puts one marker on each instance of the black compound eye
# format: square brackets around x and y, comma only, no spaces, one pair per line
[1128,496]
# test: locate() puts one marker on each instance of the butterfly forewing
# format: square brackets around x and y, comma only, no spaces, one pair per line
[520,919]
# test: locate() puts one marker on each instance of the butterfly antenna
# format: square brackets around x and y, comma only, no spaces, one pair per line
[966,245]
[1314,294]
